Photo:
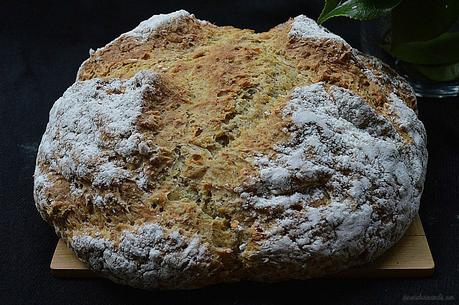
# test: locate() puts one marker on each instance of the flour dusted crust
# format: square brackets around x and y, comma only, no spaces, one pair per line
[187,154]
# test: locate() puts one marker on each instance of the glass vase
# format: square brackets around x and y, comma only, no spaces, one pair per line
[376,33]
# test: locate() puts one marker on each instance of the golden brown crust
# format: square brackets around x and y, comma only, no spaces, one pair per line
[215,103]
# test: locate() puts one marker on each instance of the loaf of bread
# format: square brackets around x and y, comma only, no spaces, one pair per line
[187,154]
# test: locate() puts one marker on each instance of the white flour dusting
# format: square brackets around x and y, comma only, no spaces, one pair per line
[304,27]
[147,255]
[91,132]
[154,23]
[343,183]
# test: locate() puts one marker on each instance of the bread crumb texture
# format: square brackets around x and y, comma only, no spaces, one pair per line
[187,154]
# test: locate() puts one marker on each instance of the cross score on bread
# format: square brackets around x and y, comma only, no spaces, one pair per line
[187,154]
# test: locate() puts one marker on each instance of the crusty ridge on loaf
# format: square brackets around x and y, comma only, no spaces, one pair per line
[187,154]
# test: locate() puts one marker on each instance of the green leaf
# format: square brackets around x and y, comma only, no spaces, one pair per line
[443,73]
[418,20]
[441,50]
[356,9]
[329,6]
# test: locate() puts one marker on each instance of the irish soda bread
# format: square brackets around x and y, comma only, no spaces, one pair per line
[187,154]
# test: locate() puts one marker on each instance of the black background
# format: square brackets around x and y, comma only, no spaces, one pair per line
[41,46]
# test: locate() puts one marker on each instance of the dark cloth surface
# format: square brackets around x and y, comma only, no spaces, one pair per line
[41,46]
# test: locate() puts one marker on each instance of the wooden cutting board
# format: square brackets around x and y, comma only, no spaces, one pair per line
[410,257]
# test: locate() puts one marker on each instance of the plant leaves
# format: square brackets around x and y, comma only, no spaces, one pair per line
[356,9]
[329,6]
[441,50]
[442,73]
[418,20]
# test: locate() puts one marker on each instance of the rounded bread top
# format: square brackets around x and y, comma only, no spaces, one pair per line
[187,154]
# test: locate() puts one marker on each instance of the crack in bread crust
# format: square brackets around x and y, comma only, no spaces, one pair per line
[187,154]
